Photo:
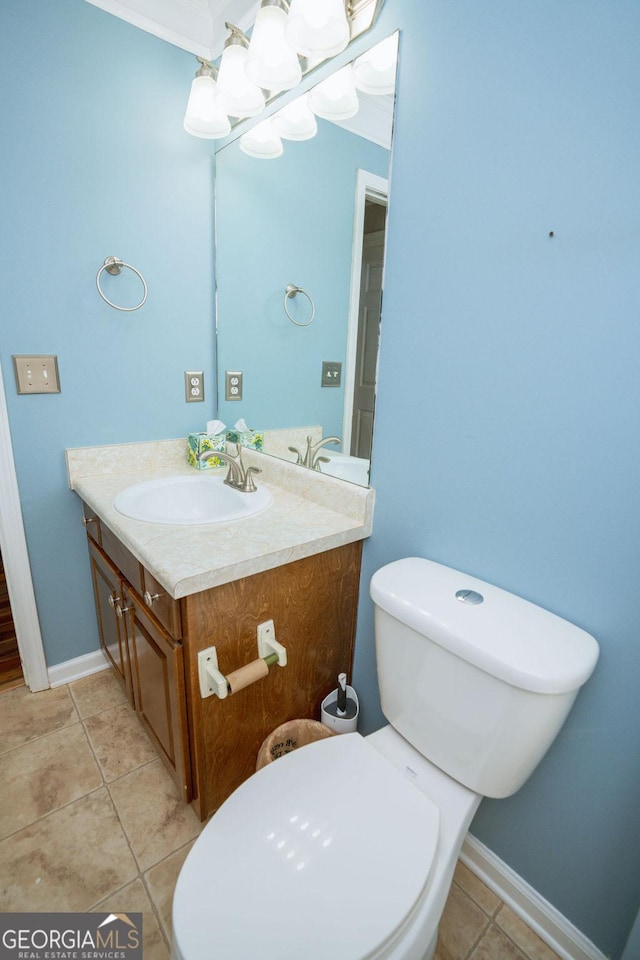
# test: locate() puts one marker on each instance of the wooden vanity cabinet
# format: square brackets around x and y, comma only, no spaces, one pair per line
[107,591]
[145,659]
[152,643]
[157,674]
[313,604]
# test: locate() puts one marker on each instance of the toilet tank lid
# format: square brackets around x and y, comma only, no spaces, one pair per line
[504,635]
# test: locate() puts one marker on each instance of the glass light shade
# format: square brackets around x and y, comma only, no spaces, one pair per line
[237,96]
[262,142]
[271,62]
[204,118]
[375,71]
[296,121]
[318,28]
[336,97]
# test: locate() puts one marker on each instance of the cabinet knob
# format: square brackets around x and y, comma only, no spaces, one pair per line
[120,611]
[87,520]
[113,600]
[149,598]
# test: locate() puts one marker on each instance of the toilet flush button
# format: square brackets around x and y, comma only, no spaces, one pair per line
[469,596]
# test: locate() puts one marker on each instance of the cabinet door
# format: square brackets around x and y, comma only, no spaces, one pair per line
[108,590]
[158,689]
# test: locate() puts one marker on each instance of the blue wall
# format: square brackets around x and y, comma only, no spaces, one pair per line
[519,352]
[282,221]
[520,386]
[95,163]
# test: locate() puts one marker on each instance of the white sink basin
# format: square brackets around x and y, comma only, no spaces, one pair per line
[196,499]
[345,467]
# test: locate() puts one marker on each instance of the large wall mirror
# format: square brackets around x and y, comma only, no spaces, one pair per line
[313,218]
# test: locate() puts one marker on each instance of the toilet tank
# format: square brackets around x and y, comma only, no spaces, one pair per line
[476,679]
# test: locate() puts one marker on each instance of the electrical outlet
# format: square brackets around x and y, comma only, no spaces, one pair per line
[233,385]
[36,374]
[193,386]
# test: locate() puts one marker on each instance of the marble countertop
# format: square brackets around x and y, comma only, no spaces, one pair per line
[309,513]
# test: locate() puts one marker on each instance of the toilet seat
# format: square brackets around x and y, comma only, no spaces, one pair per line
[325,852]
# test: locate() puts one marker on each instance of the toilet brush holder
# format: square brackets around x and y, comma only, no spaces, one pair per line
[329,712]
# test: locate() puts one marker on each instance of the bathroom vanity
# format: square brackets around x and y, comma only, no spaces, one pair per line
[164,593]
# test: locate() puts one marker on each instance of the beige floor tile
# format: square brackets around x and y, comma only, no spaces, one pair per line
[25,716]
[161,881]
[155,827]
[66,861]
[476,889]
[528,941]
[134,899]
[96,693]
[496,946]
[119,741]
[43,775]
[462,924]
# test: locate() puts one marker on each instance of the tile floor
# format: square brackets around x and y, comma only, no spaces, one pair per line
[78,831]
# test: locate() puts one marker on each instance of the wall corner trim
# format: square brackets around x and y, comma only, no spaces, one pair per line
[540,915]
[77,668]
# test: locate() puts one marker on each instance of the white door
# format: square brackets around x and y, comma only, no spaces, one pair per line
[16,563]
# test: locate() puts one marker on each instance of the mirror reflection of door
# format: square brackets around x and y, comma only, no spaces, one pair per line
[368,337]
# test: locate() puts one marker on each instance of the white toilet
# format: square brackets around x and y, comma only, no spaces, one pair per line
[345,849]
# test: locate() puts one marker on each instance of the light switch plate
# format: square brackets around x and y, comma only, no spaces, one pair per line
[36,373]
[331,373]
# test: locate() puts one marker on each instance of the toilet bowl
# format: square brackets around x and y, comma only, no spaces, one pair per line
[343,849]
[346,848]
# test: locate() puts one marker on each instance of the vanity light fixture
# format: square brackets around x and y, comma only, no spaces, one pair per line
[262,141]
[336,97]
[318,28]
[375,71]
[204,118]
[272,62]
[296,121]
[236,94]
[288,40]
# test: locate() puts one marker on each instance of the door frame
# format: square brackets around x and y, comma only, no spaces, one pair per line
[13,544]
[369,186]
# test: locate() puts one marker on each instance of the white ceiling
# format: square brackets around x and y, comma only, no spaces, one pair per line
[198,26]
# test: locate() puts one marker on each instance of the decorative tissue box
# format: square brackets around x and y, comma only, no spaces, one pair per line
[247,438]
[200,443]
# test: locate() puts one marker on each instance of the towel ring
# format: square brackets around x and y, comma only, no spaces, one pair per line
[114,265]
[291,291]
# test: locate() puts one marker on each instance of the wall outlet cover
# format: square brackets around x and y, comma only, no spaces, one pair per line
[193,386]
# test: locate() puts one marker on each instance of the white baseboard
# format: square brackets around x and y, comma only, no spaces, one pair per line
[78,667]
[540,915]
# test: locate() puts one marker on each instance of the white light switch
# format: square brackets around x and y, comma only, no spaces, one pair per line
[36,374]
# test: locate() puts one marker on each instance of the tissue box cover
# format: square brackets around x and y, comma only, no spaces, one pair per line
[200,443]
[247,438]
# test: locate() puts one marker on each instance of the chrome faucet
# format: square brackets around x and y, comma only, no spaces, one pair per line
[239,477]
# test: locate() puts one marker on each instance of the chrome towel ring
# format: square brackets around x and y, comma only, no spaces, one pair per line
[114,265]
[291,291]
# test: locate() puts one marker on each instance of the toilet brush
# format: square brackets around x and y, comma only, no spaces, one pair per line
[342,695]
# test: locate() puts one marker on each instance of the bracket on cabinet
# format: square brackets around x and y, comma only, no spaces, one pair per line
[212,681]
[267,643]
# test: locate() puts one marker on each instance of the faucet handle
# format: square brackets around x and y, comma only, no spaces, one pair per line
[249,486]
[318,461]
[299,459]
